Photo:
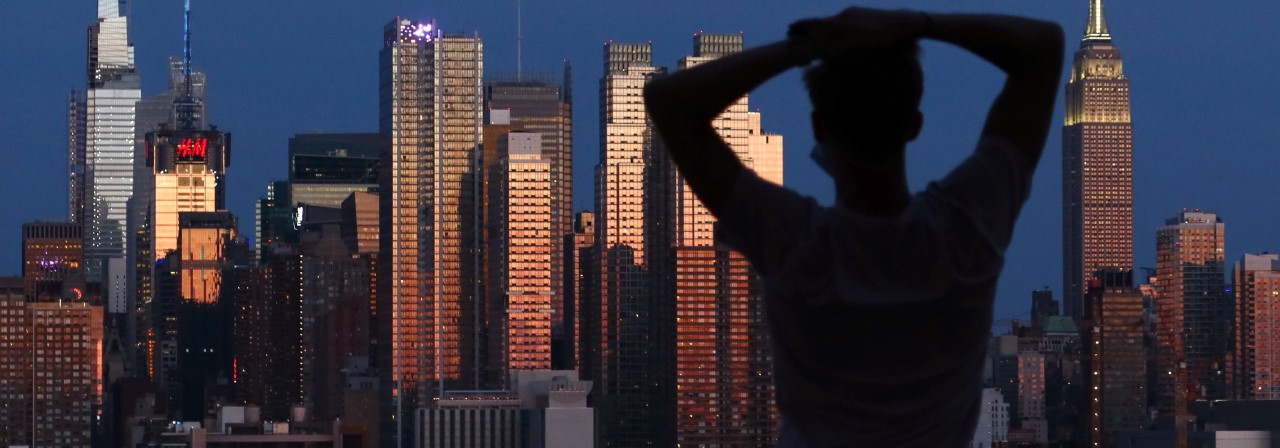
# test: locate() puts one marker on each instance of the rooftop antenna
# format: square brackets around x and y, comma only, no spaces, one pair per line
[519,45]
[186,48]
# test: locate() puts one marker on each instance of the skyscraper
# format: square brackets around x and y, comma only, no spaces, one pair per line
[1097,164]
[432,110]
[521,223]
[621,363]
[1192,308]
[1255,368]
[51,377]
[538,103]
[110,106]
[1117,391]
[721,392]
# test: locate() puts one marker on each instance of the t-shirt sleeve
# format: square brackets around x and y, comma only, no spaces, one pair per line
[764,220]
[988,189]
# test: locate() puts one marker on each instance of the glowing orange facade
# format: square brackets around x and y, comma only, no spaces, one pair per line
[520,257]
[432,112]
[621,331]
[723,382]
[202,239]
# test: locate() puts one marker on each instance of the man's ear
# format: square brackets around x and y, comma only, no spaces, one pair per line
[917,123]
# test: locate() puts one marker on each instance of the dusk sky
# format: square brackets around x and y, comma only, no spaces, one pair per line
[1205,96]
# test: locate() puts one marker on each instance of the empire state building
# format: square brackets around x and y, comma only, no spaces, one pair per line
[1097,164]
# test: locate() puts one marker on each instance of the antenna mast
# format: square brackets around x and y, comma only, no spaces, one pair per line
[519,44]
[186,50]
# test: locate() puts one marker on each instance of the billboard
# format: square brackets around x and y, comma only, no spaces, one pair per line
[166,148]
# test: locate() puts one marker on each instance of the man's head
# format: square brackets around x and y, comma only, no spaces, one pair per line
[866,106]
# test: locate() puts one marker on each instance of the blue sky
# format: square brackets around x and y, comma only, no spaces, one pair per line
[1205,99]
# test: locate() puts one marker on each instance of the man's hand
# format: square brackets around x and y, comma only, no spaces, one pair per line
[855,30]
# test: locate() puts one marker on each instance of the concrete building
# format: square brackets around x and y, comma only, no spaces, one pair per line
[520,222]
[1254,371]
[993,420]
[51,369]
[539,409]
[428,262]
[1193,308]
[1097,164]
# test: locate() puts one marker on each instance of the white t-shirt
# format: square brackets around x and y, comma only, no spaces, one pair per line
[880,325]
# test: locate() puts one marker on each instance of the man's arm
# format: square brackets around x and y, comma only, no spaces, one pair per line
[683,105]
[1030,53]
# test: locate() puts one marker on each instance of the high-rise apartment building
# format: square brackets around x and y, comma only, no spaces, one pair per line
[621,361]
[50,251]
[1193,311]
[1117,388]
[722,390]
[432,112]
[1254,371]
[1097,164]
[521,223]
[51,374]
[326,168]
[539,103]
[110,106]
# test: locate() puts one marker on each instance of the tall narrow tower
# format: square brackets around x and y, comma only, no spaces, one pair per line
[619,358]
[1097,164]
[110,113]
[432,110]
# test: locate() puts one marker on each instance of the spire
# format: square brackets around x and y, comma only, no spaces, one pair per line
[1096,30]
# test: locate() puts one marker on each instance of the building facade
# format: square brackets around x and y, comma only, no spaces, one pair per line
[110,107]
[432,112]
[620,359]
[521,223]
[1192,308]
[1255,367]
[1117,359]
[541,104]
[1097,164]
[51,377]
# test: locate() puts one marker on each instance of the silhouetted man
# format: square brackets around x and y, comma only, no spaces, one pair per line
[879,307]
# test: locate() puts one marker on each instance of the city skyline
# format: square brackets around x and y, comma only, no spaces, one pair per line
[262,110]
[434,276]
